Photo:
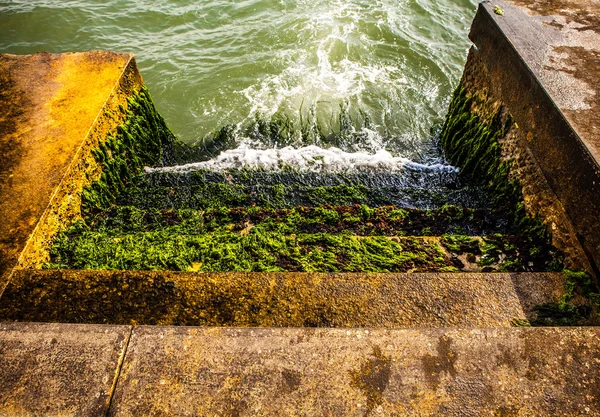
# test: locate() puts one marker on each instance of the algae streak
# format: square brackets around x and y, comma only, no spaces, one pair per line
[470,138]
[143,140]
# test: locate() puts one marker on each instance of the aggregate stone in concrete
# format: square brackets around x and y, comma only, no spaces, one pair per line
[174,371]
[278,299]
[59,369]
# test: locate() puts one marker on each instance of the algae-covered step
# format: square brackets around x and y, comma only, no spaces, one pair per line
[322,239]
[359,219]
[413,187]
[223,194]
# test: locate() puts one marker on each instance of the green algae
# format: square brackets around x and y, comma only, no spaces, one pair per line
[472,143]
[322,239]
[578,305]
[460,244]
[258,250]
[359,219]
[143,140]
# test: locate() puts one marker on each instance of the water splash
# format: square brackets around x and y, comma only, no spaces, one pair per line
[309,158]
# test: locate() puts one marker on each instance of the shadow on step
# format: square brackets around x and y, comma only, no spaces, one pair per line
[278,299]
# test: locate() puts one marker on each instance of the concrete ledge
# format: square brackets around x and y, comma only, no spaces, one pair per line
[95,370]
[59,370]
[53,110]
[544,61]
[347,372]
[278,299]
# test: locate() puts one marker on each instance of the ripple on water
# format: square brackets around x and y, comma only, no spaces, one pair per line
[213,63]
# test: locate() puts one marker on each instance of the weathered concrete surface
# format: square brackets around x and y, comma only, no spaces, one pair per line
[544,62]
[53,110]
[59,370]
[337,372]
[278,299]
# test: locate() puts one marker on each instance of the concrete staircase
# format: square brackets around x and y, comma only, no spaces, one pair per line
[278,293]
[178,341]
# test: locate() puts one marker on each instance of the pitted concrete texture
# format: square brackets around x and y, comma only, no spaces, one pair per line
[278,299]
[544,60]
[347,372]
[58,369]
[50,106]
[560,42]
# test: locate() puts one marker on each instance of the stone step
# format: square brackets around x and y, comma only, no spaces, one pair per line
[409,177]
[349,372]
[62,369]
[279,299]
[223,245]
[358,219]
[214,195]
[59,369]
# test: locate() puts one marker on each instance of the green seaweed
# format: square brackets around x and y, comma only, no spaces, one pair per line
[359,219]
[460,244]
[258,250]
[472,144]
[578,305]
[343,238]
[142,140]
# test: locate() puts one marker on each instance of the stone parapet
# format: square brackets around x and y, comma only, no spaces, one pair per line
[542,62]
[54,109]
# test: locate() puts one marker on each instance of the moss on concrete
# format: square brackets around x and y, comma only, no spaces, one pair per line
[579,304]
[471,140]
[346,238]
[142,140]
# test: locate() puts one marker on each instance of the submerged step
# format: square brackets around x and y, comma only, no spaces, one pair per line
[418,188]
[224,194]
[408,178]
[279,299]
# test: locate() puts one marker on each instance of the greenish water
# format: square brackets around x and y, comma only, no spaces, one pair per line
[388,65]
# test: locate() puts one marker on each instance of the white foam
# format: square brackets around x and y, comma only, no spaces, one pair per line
[308,158]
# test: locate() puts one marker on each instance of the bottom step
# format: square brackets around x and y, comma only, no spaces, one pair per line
[173,371]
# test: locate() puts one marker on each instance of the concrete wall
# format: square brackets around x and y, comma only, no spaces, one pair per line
[54,109]
[538,65]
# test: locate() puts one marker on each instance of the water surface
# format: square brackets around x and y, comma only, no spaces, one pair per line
[383,68]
